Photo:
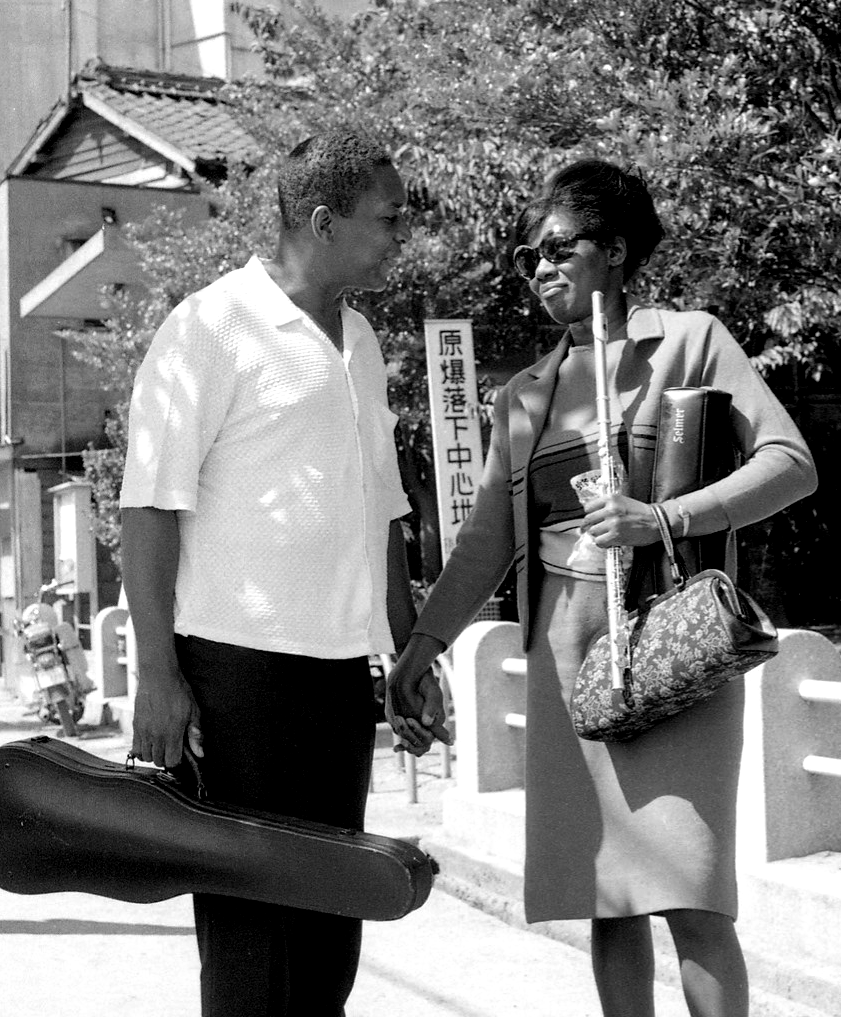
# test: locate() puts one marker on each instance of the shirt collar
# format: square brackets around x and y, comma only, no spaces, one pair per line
[272,299]
[281,309]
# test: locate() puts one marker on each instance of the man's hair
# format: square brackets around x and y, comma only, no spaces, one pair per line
[606,201]
[333,169]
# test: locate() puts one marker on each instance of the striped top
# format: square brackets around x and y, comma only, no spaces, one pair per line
[568,447]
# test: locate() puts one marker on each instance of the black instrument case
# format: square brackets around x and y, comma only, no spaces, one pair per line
[70,821]
[694,448]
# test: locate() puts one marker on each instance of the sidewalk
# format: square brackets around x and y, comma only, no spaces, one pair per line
[469,942]
[75,955]
[451,957]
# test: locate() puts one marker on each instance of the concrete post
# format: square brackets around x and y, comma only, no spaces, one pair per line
[783,811]
[491,755]
[109,673]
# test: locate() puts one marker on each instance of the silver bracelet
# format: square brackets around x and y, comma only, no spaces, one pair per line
[686,518]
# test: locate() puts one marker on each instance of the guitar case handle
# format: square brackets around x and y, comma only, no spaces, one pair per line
[189,765]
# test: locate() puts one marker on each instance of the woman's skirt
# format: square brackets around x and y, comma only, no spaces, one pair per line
[628,828]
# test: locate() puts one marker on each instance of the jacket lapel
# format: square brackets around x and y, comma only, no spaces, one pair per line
[530,406]
[631,377]
[530,402]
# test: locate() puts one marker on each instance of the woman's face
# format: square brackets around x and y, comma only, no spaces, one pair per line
[566,290]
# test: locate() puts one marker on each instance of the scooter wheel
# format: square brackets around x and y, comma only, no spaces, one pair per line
[68,725]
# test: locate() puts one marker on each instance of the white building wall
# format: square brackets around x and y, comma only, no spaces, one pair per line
[200,37]
[32,69]
[123,32]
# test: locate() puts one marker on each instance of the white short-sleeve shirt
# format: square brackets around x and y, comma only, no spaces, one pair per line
[277,453]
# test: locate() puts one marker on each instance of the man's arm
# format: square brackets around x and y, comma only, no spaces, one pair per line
[399,602]
[164,708]
[414,704]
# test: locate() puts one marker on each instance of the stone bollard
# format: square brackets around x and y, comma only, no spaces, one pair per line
[491,755]
[784,811]
[109,671]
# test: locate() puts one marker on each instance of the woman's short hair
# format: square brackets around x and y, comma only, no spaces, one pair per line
[334,169]
[605,200]
[530,219]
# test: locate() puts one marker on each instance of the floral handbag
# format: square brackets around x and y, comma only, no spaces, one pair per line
[684,645]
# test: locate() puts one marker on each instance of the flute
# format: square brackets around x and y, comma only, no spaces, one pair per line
[611,483]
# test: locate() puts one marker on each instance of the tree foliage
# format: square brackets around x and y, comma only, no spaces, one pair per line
[731,110]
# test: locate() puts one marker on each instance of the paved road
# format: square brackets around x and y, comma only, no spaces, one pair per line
[76,955]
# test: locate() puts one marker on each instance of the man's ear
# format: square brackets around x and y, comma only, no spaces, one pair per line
[617,251]
[321,223]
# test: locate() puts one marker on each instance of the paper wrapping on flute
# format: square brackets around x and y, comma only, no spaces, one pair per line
[587,486]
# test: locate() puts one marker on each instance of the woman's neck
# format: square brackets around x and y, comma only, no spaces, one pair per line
[616,314]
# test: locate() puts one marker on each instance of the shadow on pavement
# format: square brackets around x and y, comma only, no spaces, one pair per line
[77,927]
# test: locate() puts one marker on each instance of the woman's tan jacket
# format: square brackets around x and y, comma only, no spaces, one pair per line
[665,349]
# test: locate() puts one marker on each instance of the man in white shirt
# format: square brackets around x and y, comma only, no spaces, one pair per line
[263,558]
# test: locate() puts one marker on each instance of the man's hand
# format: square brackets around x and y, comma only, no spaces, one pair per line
[164,710]
[414,703]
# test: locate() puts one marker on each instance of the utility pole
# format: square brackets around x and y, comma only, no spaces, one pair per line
[164,36]
[67,7]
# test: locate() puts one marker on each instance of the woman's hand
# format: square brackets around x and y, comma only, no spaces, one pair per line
[414,704]
[620,521]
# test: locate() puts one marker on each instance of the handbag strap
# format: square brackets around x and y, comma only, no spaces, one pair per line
[677,568]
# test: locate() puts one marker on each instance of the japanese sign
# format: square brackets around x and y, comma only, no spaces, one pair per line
[456,435]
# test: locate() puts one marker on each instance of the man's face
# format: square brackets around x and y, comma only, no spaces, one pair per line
[369,242]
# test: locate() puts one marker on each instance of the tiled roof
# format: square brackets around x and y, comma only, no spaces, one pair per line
[184,111]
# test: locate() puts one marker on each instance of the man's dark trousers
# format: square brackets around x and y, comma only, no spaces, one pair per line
[291,735]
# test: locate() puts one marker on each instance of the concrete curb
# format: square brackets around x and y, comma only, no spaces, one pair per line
[790,922]
[775,927]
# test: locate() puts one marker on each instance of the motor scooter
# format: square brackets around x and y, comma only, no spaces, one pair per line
[59,668]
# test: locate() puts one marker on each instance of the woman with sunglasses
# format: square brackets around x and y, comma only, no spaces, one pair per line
[614,832]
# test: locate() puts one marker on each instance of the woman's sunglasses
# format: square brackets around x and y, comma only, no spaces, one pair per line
[555,248]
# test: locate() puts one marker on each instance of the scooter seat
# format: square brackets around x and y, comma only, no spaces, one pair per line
[40,637]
